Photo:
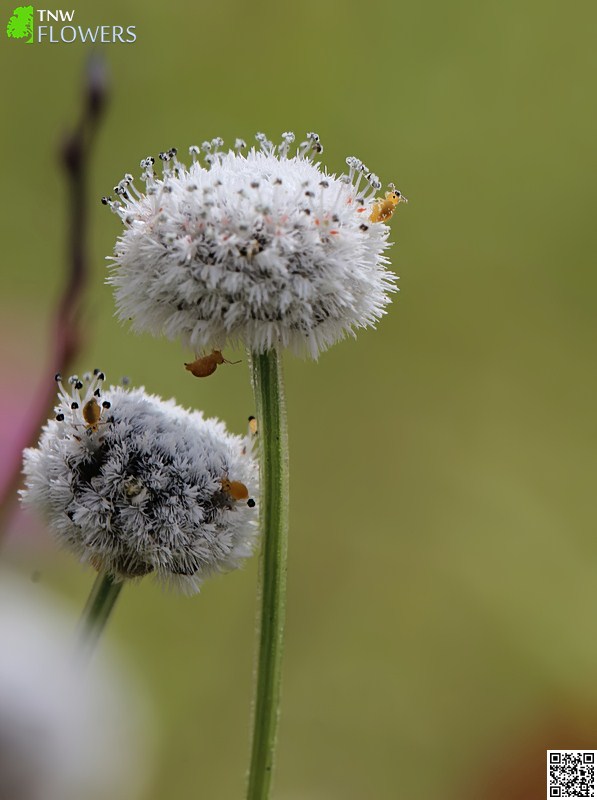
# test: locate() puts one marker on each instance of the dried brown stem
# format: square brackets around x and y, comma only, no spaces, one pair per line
[67,336]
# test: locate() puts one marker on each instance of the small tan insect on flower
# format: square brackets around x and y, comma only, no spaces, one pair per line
[237,491]
[251,434]
[253,429]
[384,208]
[207,365]
[92,413]
[92,410]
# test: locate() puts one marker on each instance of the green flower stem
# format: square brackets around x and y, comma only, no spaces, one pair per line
[273,445]
[96,613]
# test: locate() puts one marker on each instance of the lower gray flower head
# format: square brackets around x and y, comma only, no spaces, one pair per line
[263,249]
[135,485]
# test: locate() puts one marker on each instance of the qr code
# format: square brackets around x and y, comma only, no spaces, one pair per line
[571,773]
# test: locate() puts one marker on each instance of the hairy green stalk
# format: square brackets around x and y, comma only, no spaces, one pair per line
[96,613]
[273,446]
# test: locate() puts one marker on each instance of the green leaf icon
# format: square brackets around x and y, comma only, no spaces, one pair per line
[20,25]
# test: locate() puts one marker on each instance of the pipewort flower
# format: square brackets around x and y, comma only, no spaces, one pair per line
[266,250]
[262,249]
[133,484]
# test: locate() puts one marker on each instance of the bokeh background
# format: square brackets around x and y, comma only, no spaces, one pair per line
[443,557]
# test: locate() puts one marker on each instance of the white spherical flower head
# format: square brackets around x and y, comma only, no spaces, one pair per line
[259,249]
[135,485]
[64,735]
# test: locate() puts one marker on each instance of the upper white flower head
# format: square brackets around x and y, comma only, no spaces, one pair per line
[261,249]
[134,484]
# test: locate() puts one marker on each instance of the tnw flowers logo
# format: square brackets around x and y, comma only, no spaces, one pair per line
[20,25]
[37,25]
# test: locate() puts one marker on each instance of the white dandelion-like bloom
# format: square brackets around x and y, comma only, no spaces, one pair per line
[261,249]
[64,735]
[134,484]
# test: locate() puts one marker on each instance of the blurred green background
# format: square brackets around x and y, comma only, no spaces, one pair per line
[443,557]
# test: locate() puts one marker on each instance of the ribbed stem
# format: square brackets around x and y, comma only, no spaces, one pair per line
[273,445]
[98,608]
